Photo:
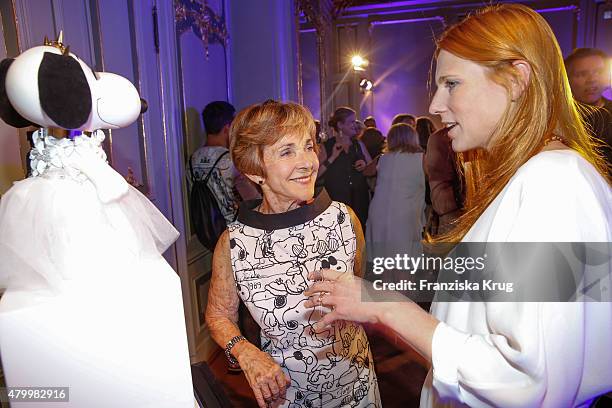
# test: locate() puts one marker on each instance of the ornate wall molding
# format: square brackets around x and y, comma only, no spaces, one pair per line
[202,20]
[321,14]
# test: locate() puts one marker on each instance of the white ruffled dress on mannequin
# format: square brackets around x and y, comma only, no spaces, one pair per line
[90,302]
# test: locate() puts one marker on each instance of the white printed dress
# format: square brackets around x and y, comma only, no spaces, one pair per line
[272,255]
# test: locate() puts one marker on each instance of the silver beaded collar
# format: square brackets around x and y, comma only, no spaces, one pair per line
[49,154]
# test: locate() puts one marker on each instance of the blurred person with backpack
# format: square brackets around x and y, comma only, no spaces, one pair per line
[212,165]
[216,190]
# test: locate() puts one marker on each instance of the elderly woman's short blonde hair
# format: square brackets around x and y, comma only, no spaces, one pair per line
[262,125]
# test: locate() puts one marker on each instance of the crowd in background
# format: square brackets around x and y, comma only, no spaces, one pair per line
[407,186]
[404,186]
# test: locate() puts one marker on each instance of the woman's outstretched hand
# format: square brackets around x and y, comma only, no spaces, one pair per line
[354,299]
[345,294]
[265,376]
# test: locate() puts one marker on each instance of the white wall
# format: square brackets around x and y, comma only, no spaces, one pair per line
[263,51]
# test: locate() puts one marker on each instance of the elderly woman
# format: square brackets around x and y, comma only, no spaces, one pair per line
[533,177]
[264,259]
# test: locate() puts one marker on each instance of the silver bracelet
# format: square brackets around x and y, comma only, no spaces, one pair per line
[230,345]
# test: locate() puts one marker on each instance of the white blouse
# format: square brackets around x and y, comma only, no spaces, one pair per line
[533,353]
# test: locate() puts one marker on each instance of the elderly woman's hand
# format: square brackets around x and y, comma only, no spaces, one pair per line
[265,376]
[345,294]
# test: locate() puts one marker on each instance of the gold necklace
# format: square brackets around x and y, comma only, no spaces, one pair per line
[554,138]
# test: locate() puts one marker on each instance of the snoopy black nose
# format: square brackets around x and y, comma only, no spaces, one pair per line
[144,106]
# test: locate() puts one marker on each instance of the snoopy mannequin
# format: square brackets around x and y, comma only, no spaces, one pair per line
[90,304]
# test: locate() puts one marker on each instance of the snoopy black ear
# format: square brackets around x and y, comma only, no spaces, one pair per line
[64,92]
[7,111]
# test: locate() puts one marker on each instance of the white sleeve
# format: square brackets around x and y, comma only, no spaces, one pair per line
[531,349]
[534,353]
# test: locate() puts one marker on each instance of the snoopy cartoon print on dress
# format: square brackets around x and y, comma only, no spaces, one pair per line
[330,368]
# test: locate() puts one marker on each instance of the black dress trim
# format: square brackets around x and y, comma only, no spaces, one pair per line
[268,222]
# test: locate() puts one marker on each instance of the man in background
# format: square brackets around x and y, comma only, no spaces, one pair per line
[404,118]
[227,185]
[369,122]
[588,71]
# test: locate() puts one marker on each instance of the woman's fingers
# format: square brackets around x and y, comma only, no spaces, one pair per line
[325,286]
[283,382]
[273,385]
[274,388]
[265,389]
[325,274]
[321,299]
[326,321]
[259,397]
[266,377]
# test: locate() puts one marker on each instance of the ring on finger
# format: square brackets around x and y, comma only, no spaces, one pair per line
[321,296]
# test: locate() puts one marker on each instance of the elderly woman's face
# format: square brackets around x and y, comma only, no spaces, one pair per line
[291,166]
[468,102]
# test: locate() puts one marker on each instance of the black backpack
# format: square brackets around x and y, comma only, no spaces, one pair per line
[207,219]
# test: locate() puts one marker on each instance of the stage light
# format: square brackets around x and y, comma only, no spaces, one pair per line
[359,63]
[365,84]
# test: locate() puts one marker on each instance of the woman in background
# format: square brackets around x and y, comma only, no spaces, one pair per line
[343,164]
[396,213]
[373,140]
[424,127]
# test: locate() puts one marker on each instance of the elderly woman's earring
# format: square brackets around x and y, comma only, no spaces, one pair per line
[260,182]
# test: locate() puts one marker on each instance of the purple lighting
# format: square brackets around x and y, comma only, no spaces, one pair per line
[72,134]
[409,20]
[396,4]
[554,9]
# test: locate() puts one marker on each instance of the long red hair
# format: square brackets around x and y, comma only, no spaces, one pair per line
[495,37]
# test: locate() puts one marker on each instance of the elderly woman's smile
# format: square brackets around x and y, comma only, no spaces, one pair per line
[303,180]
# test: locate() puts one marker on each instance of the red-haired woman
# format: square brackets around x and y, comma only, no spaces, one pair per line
[532,176]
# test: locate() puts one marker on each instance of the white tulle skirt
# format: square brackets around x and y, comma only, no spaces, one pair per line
[90,303]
